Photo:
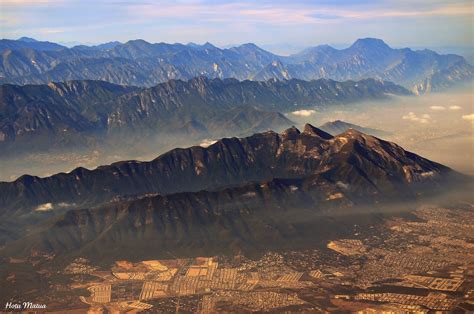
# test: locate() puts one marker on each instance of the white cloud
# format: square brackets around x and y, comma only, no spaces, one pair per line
[224,22]
[49,206]
[304,113]
[469,117]
[288,13]
[44,207]
[455,107]
[411,116]
[438,108]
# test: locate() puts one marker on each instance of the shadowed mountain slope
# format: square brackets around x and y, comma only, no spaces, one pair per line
[351,158]
[84,113]
[237,194]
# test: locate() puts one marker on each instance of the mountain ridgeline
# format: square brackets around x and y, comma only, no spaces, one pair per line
[349,158]
[140,63]
[338,126]
[82,113]
[237,188]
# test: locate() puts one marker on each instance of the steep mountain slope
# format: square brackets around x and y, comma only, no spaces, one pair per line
[135,62]
[40,117]
[351,158]
[274,70]
[140,63]
[236,194]
[269,215]
[338,126]
[35,116]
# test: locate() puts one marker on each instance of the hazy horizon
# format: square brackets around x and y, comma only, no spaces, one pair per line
[300,23]
[283,49]
[432,126]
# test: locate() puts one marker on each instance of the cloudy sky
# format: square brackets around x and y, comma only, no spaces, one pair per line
[297,23]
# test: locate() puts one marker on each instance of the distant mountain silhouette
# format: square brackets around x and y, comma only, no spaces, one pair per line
[338,126]
[140,63]
[28,43]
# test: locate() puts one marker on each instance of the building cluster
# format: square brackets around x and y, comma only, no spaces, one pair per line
[433,301]
[398,268]
[347,247]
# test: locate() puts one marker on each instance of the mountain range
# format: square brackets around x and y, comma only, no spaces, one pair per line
[263,185]
[235,194]
[28,43]
[83,114]
[140,63]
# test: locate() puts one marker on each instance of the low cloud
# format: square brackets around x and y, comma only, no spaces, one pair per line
[44,207]
[304,113]
[50,206]
[469,117]
[438,108]
[455,107]
[411,116]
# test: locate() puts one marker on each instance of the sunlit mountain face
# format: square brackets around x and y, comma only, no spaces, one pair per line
[236,157]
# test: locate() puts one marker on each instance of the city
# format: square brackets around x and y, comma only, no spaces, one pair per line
[421,263]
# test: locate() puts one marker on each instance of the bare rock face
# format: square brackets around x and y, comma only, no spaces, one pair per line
[311,130]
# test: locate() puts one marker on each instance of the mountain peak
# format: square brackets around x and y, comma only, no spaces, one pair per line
[27,39]
[208,45]
[137,42]
[250,48]
[314,131]
[291,132]
[249,45]
[370,43]
[340,123]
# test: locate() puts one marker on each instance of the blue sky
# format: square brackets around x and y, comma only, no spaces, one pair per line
[298,23]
